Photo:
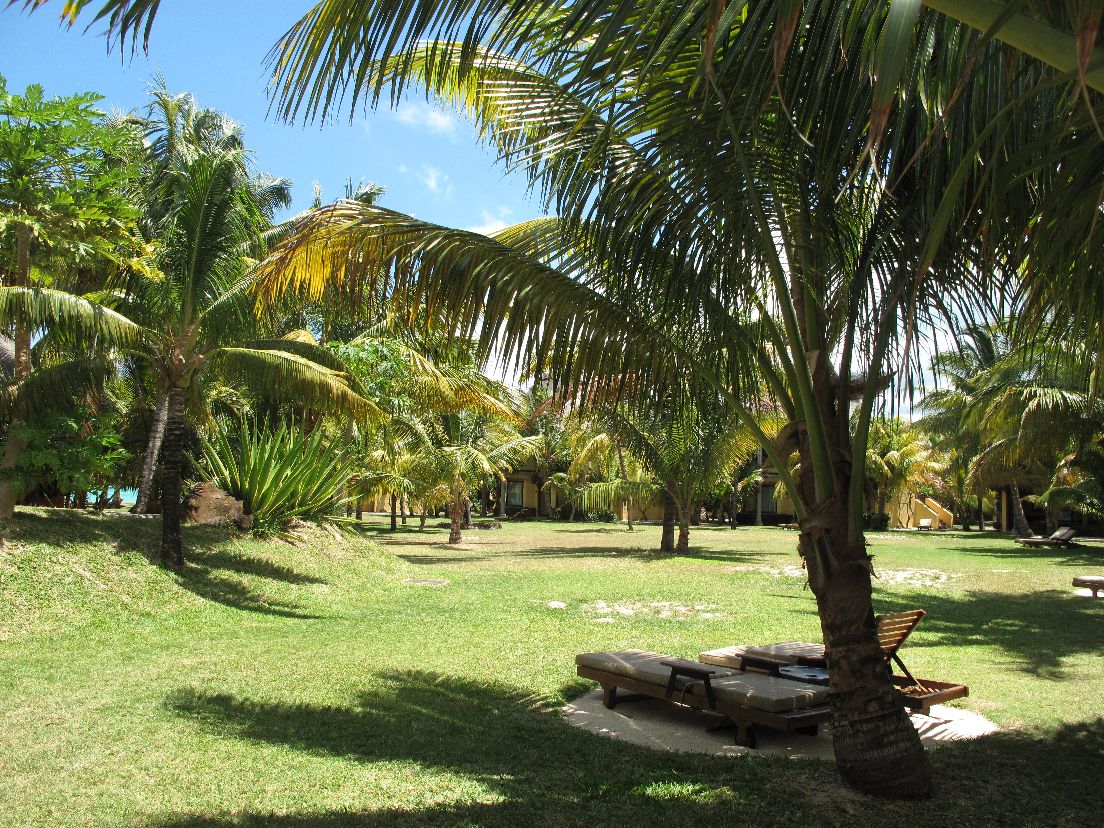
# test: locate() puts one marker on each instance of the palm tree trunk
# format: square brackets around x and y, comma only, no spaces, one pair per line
[1019,520]
[149,461]
[13,447]
[422,518]
[172,450]
[394,513]
[684,520]
[625,476]
[733,500]
[667,536]
[876,747]
[500,501]
[544,504]
[456,514]
[402,509]
[467,515]
[359,508]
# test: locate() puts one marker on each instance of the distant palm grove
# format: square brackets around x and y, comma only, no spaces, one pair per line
[830,265]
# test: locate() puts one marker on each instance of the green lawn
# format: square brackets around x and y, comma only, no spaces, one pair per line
[321,685]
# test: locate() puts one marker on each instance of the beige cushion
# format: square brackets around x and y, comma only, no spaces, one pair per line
[637,664]
[724,657]
[769,693]
[787,651]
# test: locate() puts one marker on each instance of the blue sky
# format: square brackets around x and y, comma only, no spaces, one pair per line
[429,160]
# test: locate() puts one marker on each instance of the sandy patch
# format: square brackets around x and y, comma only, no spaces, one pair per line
[665,726]
[652,609]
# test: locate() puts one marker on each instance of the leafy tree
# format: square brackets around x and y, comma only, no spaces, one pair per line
[195,315]
[64,177]
[74,453]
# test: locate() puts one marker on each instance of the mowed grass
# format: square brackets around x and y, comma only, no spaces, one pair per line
[332,683]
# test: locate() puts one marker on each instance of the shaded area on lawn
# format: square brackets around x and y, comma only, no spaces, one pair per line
[507,739]
[546,773]
[1038,629]
[1005,548]
[212,571]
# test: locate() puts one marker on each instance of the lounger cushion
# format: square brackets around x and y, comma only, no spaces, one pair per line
[637,664]
[756,690]
[787,651]
[763,692]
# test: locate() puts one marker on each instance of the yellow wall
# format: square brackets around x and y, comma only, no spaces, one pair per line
[910,510]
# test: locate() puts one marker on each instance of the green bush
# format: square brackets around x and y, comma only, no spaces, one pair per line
[72,453]
[279,474]
[876,521]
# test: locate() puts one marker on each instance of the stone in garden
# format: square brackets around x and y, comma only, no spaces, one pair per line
[208,505]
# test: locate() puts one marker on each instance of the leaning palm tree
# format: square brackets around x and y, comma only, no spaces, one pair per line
[694,201]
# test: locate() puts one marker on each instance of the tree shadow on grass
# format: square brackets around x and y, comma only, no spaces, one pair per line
[1079,556]
[541,771]
[1038,629]
[211,571]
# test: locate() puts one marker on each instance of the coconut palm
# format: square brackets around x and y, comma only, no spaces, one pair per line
[733,162]
[195,315]
[900,460]
[692,193]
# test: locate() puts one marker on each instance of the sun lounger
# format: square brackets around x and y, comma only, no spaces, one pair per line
[807,662]
[1063,537]
[747,698]
[1093,582]
[925,523]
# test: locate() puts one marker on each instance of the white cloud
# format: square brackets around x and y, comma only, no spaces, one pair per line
[435,181]
[424,116]
[403,169]
[491,222]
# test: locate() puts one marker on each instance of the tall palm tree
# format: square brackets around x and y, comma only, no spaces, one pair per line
[691,192]
[775,162]
[195,316]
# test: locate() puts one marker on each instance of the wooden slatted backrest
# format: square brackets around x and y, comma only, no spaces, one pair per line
[894,628]
[1064,534]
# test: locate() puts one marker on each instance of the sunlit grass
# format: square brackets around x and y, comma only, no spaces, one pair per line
[328,684]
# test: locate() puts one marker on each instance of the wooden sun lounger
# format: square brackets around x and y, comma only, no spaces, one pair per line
[1063,537]
[808,662]
[747,699]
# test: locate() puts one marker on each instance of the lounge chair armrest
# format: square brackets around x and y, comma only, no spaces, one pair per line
[692,670]
[754,661]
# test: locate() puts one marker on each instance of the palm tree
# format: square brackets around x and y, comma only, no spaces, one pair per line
[195,315]
[553,436]
[688,447]
[734,163]
[900,461]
